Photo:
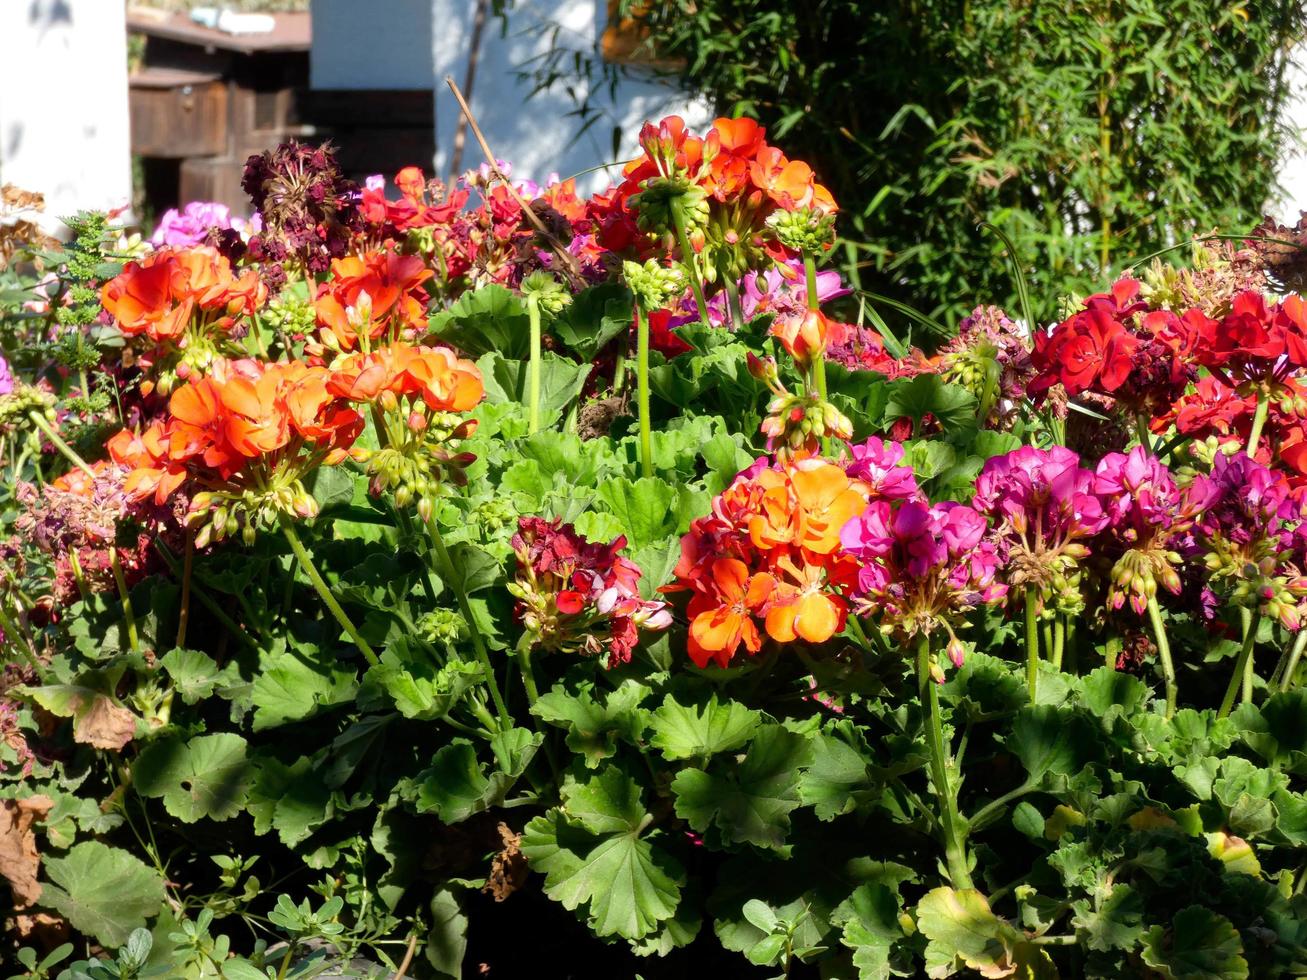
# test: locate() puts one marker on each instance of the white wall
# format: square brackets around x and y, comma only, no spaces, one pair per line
[416,43]
[64,126]
[536,135]
[1292,172]
[363,44]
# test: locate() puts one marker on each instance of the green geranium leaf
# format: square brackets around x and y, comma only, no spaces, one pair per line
[870,927]
[928,394]
[447,938]
[505,380]
[292,687]
[594,317]
[698,731]
[1051,739]
[1200,945]
[1112,921]
[749,802]
[1277,730]
[195,675]
[652,510]
[838,779]
[491,318]
[208,776]
[456,785]
[594,726]
[593,855]
[102,891]
[292,800]
[421,690]
[962,932]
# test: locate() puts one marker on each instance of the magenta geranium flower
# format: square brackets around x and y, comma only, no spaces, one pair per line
[923,566]
[1047,510]
[6,377]
[878,464]
[1151,520]
[1246,529]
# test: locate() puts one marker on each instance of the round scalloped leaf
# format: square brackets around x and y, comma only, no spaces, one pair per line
[1200,945]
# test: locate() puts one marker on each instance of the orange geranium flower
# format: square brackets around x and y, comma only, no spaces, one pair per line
[174,290]
[802,605]
[721,621]
[827,499]
[372,295]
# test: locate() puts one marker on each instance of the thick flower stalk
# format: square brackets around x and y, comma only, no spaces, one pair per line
[923,569]
[653,286]
[766,559]
[1046,514]
[579,597]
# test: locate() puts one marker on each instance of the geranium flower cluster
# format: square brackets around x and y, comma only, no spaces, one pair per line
[243,440]
[419,394]
[578,596]
[1250,531]
[1046,511]
[188,302]
[370,297]
[769,553]
[1117,346]
[717,193]
[923,567]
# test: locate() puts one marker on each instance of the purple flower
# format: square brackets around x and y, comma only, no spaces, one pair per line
[923,565]
[876,463]
[1140,491]
[191,226]
[784,293]
[6,377]
[1240,499]
[1044,489]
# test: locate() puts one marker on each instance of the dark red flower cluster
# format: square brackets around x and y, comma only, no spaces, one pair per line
[579,596]
[1119,347]
[309,209]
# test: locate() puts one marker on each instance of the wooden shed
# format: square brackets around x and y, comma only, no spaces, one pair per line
[202,100]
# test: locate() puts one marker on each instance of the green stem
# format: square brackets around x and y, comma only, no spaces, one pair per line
[691,263]
[1141,430]
[642,386]
[533,386]
[528,672]
[1250,624]
[733,303]
[465,607]
[1259,420]
[1164,655]
[1032,644]
[324,592]
[19,640]
[928,695]
[55,440]
[1059,641]
[1295,654]
[188,563]
[129,618]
